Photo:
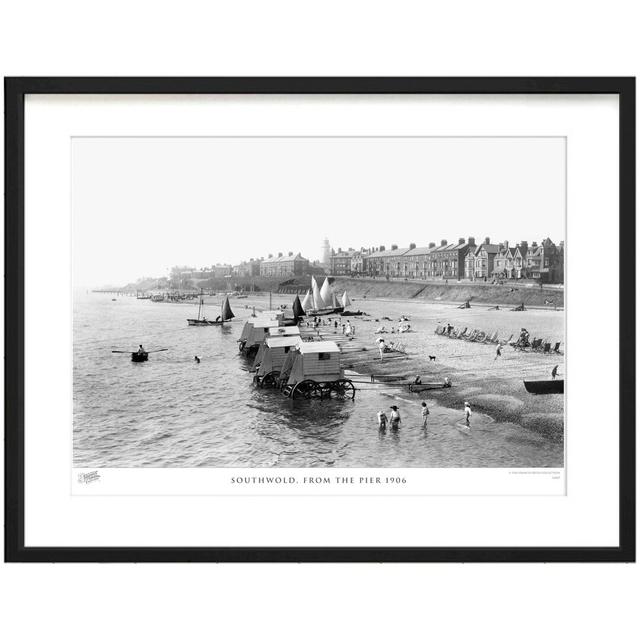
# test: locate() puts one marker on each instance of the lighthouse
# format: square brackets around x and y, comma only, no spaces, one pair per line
[326,253]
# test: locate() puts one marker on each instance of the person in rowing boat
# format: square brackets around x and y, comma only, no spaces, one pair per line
[141,351]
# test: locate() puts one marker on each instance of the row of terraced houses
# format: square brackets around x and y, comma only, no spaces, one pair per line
[486,261]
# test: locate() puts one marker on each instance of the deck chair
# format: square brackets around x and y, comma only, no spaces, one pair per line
[464,333]
[547,347]
[556,348]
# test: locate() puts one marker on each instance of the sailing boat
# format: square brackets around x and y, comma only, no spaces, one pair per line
[324,300]
[225,315]
[298,308]
[347,303]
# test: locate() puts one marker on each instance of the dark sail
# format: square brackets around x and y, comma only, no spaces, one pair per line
[227,314]
[297,308]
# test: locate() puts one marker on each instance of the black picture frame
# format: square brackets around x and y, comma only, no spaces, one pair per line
[15,91]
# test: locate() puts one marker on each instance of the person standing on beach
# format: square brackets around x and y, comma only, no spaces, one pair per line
[554,372]
[498,352]
[467,413]
[381,347]
[425,414]
[382,420]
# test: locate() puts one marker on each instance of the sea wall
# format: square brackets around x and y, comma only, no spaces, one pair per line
[480,293]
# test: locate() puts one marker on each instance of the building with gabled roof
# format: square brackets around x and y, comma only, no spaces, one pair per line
[289,265]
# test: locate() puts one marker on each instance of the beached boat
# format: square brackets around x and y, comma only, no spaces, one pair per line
[427,386]
[225,315]
[544,386]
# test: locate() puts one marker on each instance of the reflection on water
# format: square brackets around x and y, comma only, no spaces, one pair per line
[171,411]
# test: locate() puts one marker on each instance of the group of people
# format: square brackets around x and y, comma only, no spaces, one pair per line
[394,418]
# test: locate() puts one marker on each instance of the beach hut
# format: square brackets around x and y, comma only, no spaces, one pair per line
[314,370]
[254,333]
[270,358]
[283,331]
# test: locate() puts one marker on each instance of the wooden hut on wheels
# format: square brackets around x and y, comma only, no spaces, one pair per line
[314,370]
[270,358]
[283,331]
[254,333]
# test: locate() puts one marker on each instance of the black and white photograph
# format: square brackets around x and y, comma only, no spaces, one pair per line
[318,302]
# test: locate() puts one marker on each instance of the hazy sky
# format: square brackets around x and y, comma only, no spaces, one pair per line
[142,205]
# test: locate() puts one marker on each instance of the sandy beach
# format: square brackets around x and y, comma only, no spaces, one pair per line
[493,386]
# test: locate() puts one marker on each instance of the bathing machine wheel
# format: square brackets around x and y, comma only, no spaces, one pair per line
[270,379]
[344,389]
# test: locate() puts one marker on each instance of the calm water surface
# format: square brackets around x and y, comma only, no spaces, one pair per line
[172,412]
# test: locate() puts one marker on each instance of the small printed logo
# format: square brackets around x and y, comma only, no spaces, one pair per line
[87,478]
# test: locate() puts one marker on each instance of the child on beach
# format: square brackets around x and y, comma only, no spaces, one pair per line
[467,413]
[498,352]
[425,414]
[382,420]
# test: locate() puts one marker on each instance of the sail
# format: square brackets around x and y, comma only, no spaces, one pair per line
[318,302]
[297,308]
[325,293]
[227,314]
[345,300]
[307,303]
[334,301]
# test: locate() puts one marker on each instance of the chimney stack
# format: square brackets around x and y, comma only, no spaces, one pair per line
[506,244]
[271,255]
[443,243]
[382,247]
[432,245]
[290,253]
[487,240]
[412,245]
[394,247]
[471,241]
[460,240]
[280,254]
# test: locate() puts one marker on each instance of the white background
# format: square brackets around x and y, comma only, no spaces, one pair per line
[587,516]
[292,38]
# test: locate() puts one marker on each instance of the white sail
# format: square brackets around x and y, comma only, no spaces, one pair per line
[334,301]
[326,292]
[307,303]
[345,300]
[318,303]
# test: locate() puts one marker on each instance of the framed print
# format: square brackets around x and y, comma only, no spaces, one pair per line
[320,319]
